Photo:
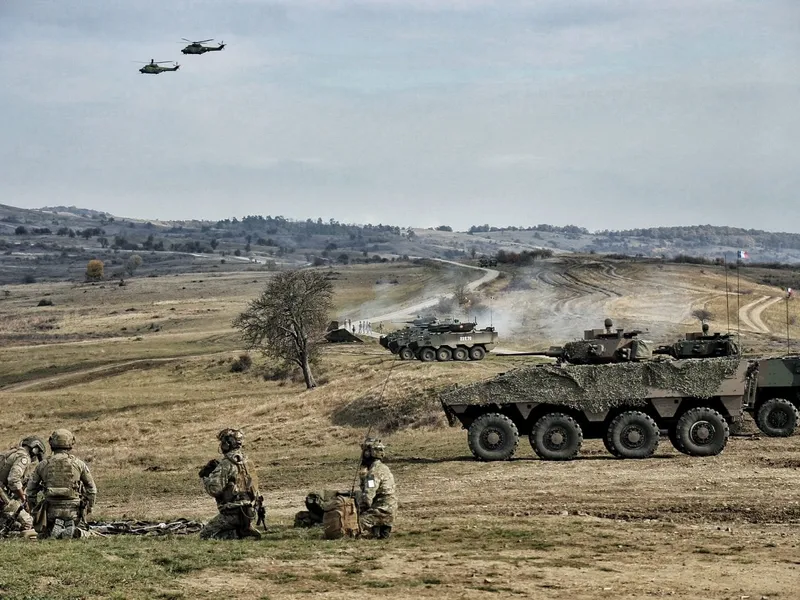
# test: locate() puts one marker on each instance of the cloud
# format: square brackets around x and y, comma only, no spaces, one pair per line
[608,114]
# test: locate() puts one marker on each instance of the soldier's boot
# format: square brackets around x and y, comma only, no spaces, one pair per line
[64,530]
[385,531]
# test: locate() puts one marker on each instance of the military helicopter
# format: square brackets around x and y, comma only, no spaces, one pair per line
[198,48]
[154,68]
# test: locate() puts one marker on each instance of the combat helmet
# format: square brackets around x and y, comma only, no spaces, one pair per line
[230,439]
[35,445]
[61,439]
[373,448]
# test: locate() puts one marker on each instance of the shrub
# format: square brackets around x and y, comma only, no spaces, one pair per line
[45,302]
[242,364]
[94,270]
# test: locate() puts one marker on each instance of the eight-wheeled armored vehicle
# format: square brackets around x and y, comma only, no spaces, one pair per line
[614,391]
[431,339]
[435,344]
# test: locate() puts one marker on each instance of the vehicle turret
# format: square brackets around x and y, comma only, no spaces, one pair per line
[701,345]
[600,346]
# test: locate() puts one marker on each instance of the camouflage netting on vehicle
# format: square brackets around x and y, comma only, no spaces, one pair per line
[598,387]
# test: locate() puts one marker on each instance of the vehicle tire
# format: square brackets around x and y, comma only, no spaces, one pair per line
[556,436]
[632,434]
[701,432]
[460,353]
[406,354]
[777,418]
[444,354]
[493,437]
[609,447]
[427,354]
[477,353]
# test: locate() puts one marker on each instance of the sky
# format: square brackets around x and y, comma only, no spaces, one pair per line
[608,114]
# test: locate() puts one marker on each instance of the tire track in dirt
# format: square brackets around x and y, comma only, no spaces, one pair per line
[87,375]
[750,313]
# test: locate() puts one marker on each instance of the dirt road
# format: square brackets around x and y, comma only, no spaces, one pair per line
[750,314]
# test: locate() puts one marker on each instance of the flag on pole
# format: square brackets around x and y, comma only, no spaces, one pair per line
[789,292]
[742,254]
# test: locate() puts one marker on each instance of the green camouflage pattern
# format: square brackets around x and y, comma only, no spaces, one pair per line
[598,388]
[378,496]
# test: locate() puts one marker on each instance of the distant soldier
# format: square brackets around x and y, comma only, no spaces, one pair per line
[233,483]
[68,491]
[377,502]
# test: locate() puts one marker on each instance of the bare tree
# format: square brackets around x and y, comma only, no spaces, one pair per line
[287,321]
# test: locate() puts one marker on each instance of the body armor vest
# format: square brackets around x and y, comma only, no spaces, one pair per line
[244,485]
[61,478]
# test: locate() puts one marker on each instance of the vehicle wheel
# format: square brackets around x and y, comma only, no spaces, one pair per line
[427,355]
[493,437]
[444,354]
[477,353]
[406,354]
[633,434]
[556,437]
[701,432]
[460,353]
[609,447]
[777,418]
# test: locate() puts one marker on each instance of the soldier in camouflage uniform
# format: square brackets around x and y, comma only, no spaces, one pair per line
[15,466]
[67,488]
[233,483]
[377,502]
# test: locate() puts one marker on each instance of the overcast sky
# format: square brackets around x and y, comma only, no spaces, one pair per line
[605,114]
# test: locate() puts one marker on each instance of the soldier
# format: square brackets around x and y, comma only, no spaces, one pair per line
[15,467]
[233,483]
[377,502]
[68,491]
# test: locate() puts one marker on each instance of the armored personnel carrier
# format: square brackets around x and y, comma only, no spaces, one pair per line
[399,342]
[776,407]
[444,344]
[604,386]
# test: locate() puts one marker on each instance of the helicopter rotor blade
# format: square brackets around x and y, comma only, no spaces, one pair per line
[185,40]
[204,41]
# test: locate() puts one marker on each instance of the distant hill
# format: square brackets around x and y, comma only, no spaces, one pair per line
[56,241]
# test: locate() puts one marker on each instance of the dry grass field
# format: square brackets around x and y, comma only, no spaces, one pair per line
[146,402]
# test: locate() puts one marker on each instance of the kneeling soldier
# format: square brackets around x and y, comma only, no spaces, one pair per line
[233,483]
[377,502]
[68,489]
